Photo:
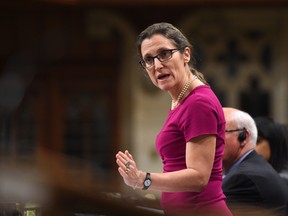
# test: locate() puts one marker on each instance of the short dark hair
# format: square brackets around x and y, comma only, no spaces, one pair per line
[276,135]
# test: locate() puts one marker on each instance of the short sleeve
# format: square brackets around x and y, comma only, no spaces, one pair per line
[199,117]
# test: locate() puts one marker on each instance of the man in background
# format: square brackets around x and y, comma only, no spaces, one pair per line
[250,183]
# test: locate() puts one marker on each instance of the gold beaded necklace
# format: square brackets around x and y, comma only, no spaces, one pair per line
[182,93]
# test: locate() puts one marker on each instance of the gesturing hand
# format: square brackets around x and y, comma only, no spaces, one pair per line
[128,169]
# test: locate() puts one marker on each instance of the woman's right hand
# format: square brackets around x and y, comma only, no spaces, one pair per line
[128,169]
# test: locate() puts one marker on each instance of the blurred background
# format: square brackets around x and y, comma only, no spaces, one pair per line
[72,93]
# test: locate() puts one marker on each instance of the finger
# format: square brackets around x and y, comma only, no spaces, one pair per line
[121,154]
[125,173]
[128,155]
[122,172]
[122,157]
[132,161]
[126,161]
[121,164]
[125,168]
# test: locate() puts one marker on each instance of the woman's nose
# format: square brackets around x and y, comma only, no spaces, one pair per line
[157,63]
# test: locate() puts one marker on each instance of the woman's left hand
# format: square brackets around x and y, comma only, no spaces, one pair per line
[128,169]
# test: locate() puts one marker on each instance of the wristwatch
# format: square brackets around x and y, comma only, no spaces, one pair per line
[147,182]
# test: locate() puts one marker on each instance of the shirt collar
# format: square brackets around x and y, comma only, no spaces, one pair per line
[237,162]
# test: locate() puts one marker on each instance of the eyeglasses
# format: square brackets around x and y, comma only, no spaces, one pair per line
[164,55]
[235,130]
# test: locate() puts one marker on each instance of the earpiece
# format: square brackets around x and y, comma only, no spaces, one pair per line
[242,135]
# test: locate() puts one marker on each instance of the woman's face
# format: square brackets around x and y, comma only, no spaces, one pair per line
[263,148]
[167,75]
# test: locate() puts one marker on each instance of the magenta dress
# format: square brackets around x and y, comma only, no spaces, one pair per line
[200,113]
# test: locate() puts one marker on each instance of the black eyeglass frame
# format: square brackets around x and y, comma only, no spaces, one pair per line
[235,130]
[143,63]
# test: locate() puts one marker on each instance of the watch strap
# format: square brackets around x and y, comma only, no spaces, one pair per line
[147,179]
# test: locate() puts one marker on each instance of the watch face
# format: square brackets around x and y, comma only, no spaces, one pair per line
[147,182]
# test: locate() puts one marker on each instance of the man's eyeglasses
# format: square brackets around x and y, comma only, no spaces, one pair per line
[164,55]
[235,130]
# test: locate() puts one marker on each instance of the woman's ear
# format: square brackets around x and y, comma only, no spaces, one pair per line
[186,54]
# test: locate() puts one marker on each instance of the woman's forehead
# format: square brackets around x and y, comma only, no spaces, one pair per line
[155,43]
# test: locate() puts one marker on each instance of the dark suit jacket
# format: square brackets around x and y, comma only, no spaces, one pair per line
[254,183]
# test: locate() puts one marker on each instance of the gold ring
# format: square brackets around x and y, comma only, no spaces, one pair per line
[126,170]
